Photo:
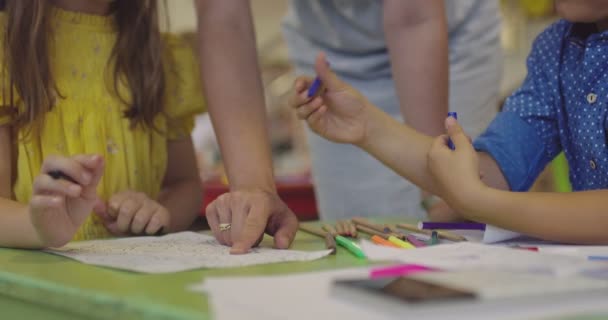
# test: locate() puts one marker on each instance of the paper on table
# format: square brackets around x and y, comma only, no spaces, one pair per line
[309,296]
[494,234]
[173,253]
[301,296]
[476,256]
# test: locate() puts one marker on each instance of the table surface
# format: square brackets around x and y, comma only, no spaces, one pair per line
[39,285]
[36,284]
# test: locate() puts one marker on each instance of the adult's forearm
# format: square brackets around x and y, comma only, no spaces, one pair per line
[418,48]
[234,93]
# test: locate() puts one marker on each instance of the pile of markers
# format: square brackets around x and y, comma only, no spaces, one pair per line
[385,234]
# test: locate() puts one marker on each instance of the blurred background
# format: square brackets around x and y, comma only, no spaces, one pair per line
[522,21]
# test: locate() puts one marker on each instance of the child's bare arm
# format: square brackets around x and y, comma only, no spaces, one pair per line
[57,207]
[576,217]
[343,115]
[16,228]
[182,190]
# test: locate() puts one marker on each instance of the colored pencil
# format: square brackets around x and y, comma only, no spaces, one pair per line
[442,234]
[452,226]
[330,242]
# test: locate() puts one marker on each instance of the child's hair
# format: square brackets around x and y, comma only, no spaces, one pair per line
[138,57]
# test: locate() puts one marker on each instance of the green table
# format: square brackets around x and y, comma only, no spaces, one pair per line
[35,284]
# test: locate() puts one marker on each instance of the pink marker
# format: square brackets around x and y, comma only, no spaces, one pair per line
[398,270]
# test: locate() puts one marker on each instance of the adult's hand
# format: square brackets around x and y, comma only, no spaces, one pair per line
[240,218]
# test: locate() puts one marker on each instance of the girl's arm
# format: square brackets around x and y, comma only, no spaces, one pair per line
[182,190]
[16,228]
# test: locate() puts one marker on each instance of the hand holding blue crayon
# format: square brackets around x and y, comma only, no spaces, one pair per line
[450,143]
[455,171]
[331,107]
[314,87]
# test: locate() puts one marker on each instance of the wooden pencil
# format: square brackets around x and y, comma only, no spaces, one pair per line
[330,242]
[395,232]
[329,228]
[379,228]
[352,227]
[365,223]
[371,231]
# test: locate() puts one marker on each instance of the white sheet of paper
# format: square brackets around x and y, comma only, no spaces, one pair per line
[476,256]
[300,296]
[174,253]
[309,296]
[495,234]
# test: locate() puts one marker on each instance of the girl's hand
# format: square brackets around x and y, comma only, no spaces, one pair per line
[339,113]
[58,207]
[133,213]
[456,172]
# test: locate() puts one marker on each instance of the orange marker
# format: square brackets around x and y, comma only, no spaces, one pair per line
[383,242]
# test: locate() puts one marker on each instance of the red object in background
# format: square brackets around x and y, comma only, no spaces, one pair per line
[297,193]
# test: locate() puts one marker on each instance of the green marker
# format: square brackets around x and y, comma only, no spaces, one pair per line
[434,238]
[350,246]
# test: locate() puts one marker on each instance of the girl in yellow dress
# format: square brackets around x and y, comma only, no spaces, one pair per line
[92,90]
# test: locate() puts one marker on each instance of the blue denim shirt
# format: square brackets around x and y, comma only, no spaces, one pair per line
[562,105]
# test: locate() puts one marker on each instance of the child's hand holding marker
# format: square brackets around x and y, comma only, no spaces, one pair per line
[63,196]
[332,108]
[455,171]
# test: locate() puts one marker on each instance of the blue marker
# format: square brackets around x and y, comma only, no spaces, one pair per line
[314,87]
[450,143]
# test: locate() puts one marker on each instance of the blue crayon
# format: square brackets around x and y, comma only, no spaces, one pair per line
[314,87]
[450,143]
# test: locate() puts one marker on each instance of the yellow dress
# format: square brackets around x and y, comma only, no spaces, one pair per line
[89,119]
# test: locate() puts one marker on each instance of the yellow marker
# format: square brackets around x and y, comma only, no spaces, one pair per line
[400,243]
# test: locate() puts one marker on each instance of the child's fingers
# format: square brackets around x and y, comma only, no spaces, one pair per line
[126,212]
[68,166]
[456,133]
[316,116]
[300,94]
[440,143]
[160,219]
[306,110]
[142,218]
[301,84]
[330,80]
[96,165]
[117,200]
[88,161]
[44,184]
[41,202]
